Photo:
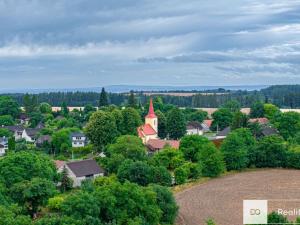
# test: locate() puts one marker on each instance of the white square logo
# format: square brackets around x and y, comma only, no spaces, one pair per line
[255,212]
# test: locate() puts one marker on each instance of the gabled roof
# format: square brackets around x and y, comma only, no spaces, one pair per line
[32,132]
[44,138]
[77,134]
[194,125]
[207,122]
[14,128]
[156,144]
[267,130]
[224,132]
[261,120]
[85,167]
[146,130]
[59,164]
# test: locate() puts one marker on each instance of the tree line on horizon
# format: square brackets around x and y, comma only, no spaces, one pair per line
[283,96]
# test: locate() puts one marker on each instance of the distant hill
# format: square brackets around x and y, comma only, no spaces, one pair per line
[127,88]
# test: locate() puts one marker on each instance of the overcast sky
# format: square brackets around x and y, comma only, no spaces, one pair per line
[77,43]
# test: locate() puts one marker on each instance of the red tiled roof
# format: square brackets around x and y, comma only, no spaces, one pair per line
[145,130]
[59,163]
[208,122]
[261,120]
[156,144]
[151,113]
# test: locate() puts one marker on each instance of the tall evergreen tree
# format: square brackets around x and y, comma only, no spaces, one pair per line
[103,98]
[131,100]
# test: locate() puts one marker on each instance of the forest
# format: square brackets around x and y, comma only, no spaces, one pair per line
[283,96]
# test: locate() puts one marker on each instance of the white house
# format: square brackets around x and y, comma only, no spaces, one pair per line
[194,128]
[82,170]
[78,140]
[30,134]
[3,145]
[16,130]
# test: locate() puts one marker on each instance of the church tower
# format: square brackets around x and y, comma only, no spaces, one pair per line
[151,118]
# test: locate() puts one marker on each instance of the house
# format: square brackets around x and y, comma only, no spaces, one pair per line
[3,145]
[30,134]
[206,124]
[223,133]
[267,131]
[149,130]
[194,128]
[24,119]
[155,145]
[59,164]
[261,121]
[78,140]
[82,170]
[16,130]
[42,140]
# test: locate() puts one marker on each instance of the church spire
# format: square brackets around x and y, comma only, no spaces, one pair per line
[151,113]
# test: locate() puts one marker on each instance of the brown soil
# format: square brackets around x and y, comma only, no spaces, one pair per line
[222,198]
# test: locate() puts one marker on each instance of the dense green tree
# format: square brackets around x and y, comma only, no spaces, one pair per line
[232,105]
[131,147]
[162,124]
[289,124]
[274,218]
[257,110]
[12,216]
[35,118]
[5,132]
[81,206]
[103,101]
[117,114]
[211,160]
[222,118]
[161,176]
[169,158]
[64,109]
[131,121]
[30,103]
[136,172]
[293,157]
[6,120]
[195,115]
[58,220]
[61,140]
[239,120]
[271,111]
[11,144]
[33,194]
[66,183]
[132,100]
[25,165]
[236,148]
[270,152]
[176,124]
[9,106]
[181,174]
[45,108]
[192,145]
[167,204]
[101,129]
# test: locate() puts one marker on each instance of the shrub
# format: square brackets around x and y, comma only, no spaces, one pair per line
[55,203]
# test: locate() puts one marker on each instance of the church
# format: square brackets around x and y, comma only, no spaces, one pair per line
[148,132]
